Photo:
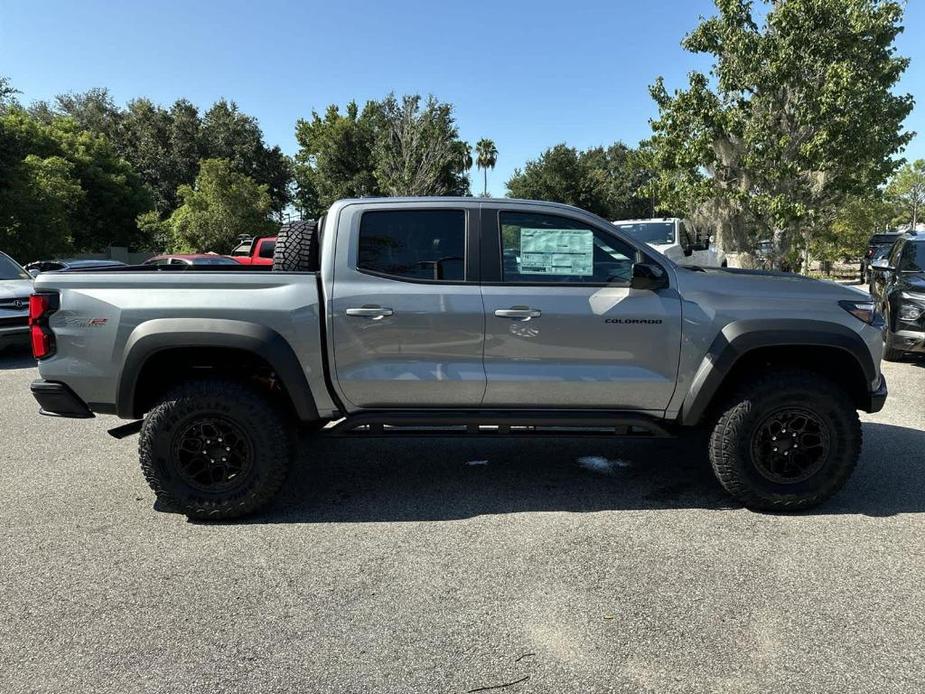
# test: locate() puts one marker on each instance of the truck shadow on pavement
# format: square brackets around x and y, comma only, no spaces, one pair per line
[375,480]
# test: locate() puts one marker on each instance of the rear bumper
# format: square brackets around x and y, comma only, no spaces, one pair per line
[878,396]
[57,400]
[13,332]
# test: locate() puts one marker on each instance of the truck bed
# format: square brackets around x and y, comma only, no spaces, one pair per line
[106,316]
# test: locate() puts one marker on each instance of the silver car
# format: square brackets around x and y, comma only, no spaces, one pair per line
[15,290]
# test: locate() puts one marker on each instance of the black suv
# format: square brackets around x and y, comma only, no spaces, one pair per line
[876,243]
[903,296]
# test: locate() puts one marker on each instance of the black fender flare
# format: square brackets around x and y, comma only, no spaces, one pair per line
[738,338]
[161,334]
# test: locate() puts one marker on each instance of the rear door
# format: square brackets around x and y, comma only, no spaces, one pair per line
[408,322]
[563,329]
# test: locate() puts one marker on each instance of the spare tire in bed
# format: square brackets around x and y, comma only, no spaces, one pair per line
[297,247]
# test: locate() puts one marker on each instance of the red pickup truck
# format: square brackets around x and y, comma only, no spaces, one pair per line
[257,251]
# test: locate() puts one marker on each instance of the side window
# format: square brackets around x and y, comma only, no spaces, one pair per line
[414,244]
[267,248]
[913,257]
[894,254]
[548,248]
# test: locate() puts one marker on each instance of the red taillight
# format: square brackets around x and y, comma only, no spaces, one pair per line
[40,307]
[43,343]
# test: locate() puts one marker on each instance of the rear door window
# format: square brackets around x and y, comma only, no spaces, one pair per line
[415,245]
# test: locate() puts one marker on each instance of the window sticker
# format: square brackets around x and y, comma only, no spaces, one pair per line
[557,252]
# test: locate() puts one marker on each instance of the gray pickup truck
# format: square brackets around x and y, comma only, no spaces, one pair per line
[463,316]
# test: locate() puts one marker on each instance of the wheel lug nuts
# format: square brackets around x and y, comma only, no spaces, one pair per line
[774,438]
[227,448]
[786,452]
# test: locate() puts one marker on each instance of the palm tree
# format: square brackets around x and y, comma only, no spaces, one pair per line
[487,157]
[466,151]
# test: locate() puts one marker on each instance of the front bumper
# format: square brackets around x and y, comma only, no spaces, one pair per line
[909,340]
[878,396]
[57,400]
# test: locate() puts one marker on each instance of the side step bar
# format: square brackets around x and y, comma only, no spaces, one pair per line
[499,423]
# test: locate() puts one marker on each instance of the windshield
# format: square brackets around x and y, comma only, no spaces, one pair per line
[10,270]
[649,232]
[217,260]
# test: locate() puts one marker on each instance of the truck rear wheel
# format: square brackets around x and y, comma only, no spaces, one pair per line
[214,449]
[297,247]
[786,441]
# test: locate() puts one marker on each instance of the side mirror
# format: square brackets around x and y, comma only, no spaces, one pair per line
[688,251]
[648,276]
[882,265]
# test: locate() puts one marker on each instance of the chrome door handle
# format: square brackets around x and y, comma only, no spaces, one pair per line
[519,312]
[374,312]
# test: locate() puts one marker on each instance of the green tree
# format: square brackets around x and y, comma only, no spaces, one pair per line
[7,94]
[798,114]
[847,236]
[417,150]
[93,110]
[486,158]
[222,205]
[907,189]
[335,157]
[65,189]
[606,181]
[165,146]
[227,133]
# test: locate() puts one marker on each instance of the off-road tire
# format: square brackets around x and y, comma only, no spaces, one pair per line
[262,424]
[731,446]
[297,247]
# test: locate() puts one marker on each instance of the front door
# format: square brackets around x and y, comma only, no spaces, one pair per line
[408,324]
[562,327]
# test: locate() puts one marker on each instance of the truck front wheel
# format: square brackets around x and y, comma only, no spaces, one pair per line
[214,449]
[786,441]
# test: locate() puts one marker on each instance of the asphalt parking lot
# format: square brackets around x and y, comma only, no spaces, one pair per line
[450,565]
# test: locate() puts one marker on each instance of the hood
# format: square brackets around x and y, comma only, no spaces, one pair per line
[767,283]
[915,282]
[11,289]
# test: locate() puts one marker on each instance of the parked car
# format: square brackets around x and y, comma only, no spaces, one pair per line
[38,266]
[257,251]
[876,242]
[15,290]
[674,238]
[192,259]
[903,296]
[406,317]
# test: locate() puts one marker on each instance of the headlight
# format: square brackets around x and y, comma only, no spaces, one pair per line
[865,311]
[910,312]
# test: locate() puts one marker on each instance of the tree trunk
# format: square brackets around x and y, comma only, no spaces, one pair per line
[485,189]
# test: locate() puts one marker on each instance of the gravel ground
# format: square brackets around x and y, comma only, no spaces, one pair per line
[447,565]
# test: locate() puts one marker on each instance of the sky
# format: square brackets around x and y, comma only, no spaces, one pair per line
[526,74]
